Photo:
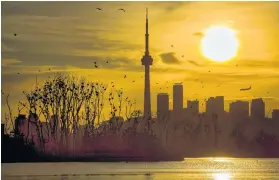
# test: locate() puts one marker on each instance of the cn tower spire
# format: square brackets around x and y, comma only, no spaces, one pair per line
[147,61]
[146,34]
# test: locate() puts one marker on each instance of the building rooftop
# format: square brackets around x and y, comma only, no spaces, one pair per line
[162,94]
[178,83]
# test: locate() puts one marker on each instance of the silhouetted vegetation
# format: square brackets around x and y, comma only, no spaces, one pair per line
[65,121]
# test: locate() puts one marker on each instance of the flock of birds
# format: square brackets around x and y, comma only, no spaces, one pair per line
[200,34]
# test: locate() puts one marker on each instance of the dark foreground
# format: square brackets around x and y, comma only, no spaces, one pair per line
[14,150]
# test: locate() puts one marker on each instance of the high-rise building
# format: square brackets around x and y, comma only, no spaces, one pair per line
[275,114]
[147,62]
[215,105]
[257,108]
[162,105]
[193,106]
[239,109]
[210,103]
[177,98]
[219,106]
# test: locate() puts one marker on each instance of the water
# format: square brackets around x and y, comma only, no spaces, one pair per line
[194,169]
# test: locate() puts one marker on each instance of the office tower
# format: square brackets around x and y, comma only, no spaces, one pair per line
[215,105]
[177,98]
[257,108]
[210,103]
[147,62]
[193,106]
[219,106]
[275,114]
[239,109]
[162,105]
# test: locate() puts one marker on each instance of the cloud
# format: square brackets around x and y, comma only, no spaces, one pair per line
[169,58]
[193,62]
[172,6]
[70,36]
[9,62]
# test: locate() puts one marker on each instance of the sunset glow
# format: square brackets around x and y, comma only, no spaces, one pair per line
[221,176]
[63,40]
[219,44]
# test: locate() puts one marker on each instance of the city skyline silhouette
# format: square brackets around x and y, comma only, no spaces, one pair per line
[12,62]
[28,52]
[179,86]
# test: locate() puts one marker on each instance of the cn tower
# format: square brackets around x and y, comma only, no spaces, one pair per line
[147,62]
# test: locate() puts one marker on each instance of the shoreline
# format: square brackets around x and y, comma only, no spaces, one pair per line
[125,160]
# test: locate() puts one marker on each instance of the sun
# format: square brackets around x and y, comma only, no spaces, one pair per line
[219,44]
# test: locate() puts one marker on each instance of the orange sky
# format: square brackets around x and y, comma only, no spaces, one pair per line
[70,36]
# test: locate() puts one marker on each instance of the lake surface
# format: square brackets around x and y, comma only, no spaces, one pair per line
[194,169]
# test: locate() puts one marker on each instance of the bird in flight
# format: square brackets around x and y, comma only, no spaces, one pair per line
[125,76]
[107,61]
[122,10]
[246,89]
[99,9]
[15,34]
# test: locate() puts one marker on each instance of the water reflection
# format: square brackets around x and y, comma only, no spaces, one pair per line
[222,159]
[222,176]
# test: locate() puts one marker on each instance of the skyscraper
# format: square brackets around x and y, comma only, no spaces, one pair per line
[147,62]
[210,105]
[257,108]
[193,106]
[215,105]
[162,105]
[177,98]
[219,106]
[239,109]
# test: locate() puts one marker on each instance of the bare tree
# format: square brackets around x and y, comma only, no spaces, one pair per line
[64,102]
[10,112]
